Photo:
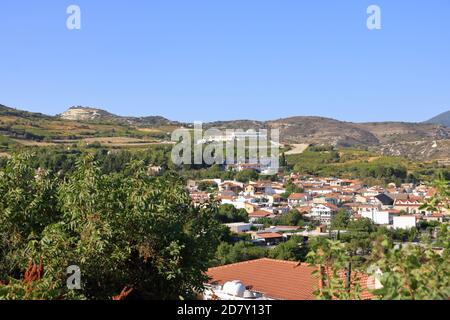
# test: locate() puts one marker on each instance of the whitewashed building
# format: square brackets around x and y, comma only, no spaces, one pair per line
[404,222]
[380,217]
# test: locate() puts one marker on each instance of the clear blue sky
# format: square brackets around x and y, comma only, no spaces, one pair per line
[228,59]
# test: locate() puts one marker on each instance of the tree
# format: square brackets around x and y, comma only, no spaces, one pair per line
[122,229]
[283,162]
[332,261]
[292,218]
[240,251]
[207,186]
[412,272]
[340,220]
[227,213]
[441,198]
[292,250]
[290,189]
[247,175]
[416,272]
[27,206]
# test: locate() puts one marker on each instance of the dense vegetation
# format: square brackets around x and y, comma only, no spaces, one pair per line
[416,270]
[123,230]
[365,165]
[127,228]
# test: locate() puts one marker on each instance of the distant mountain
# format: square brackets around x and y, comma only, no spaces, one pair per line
[422,141]
[86,114]
[322,130]
[307,129]
[442,119]
[79,113]
[7,111]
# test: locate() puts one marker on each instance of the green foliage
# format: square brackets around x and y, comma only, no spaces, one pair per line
[6,143]
[408,272]
[340,220]
[292,218]
[240,251]
[293,250]
[441,198]
[332,260]
[247,175]
[227,213]
[290,189]
[313,159]
[207,186]
[415,272]
[351,163]
[27,206]
[121,229]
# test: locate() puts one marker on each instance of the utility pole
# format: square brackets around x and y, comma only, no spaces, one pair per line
[348,277]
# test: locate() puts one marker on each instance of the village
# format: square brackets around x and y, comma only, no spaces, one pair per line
[396,207]
[318,200]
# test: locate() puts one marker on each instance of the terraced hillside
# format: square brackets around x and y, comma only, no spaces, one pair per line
[421,141]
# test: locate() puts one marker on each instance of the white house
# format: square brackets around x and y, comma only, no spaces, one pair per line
[380,217]
[237,202]
[404,222]
[298,199]
[323,212]
[240,227]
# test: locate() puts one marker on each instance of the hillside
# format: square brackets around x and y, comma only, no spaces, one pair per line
[10,112]
[420,141]
[79,125]
[80,113]
[322,130]
[86,114]
[442,119]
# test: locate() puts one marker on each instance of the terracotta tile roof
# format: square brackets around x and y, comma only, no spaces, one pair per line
[297,196]
[331,206]
[259,213]
[366,282]
[269,235]
[306,209]
[277,279]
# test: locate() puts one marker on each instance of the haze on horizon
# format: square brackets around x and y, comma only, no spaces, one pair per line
[225,60]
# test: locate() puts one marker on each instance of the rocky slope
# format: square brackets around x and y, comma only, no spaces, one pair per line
[442,119]
[86,114]
[93,114]
[424,141]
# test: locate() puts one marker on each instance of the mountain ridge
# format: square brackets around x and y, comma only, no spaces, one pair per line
[442,119]
[80,113]
[415,140]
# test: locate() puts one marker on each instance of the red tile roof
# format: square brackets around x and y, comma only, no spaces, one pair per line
[306,209]
[297,196]
[259,213]
[331,206]
[269,235]
[276,279]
